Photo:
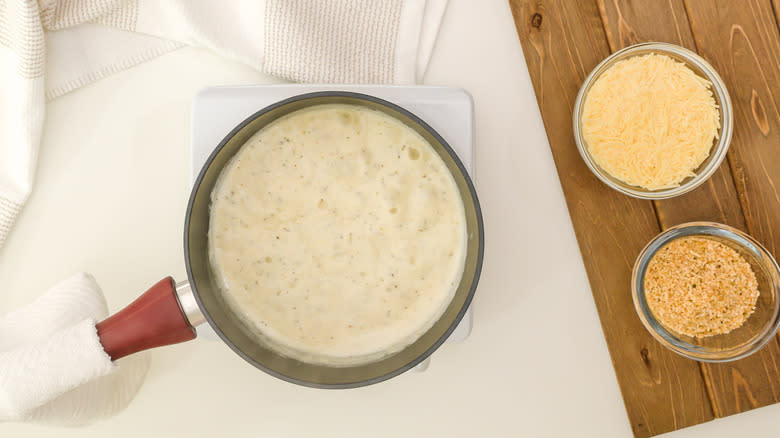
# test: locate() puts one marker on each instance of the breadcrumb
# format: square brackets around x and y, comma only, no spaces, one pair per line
[700,287]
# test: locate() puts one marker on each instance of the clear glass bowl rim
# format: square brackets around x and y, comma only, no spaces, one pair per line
[719,150]
[680,347]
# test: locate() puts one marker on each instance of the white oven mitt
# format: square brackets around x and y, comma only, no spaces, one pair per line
[52,366]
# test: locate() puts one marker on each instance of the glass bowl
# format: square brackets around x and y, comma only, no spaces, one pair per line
[759,328]
[722,100]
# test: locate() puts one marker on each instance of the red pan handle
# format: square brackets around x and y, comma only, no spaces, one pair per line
[154,319]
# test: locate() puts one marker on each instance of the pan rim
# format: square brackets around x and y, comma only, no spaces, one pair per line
[469,183]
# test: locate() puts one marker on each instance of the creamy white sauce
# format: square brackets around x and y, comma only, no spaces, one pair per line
[338,234]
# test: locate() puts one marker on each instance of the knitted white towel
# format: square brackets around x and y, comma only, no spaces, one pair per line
[52,366]
[74,42]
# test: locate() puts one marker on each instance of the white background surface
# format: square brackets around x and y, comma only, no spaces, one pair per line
[110,199]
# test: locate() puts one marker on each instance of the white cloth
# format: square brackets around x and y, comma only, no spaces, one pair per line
[51,47]
[52,366]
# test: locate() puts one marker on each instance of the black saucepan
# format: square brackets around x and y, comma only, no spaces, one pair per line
[167,313]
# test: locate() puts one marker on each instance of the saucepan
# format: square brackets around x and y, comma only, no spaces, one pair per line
[168,312]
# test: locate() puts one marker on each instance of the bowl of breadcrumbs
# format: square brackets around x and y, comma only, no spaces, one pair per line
[707,291]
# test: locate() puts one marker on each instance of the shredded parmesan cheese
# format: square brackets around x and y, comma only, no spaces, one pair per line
[650,121]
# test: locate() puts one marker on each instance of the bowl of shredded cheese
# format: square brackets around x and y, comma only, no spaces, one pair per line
[707,291]
[653,120]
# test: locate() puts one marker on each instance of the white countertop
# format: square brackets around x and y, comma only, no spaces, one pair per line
[110,198]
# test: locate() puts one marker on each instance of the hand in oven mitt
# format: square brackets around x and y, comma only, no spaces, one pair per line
[52,366]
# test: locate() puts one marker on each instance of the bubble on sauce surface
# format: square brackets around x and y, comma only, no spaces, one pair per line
[347,118]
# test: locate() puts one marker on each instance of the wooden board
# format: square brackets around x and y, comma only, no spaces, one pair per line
[755,377]
[562,41]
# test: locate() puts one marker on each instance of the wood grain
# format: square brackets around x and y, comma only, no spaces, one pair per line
[563,41]
[742,42]
[629,22]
